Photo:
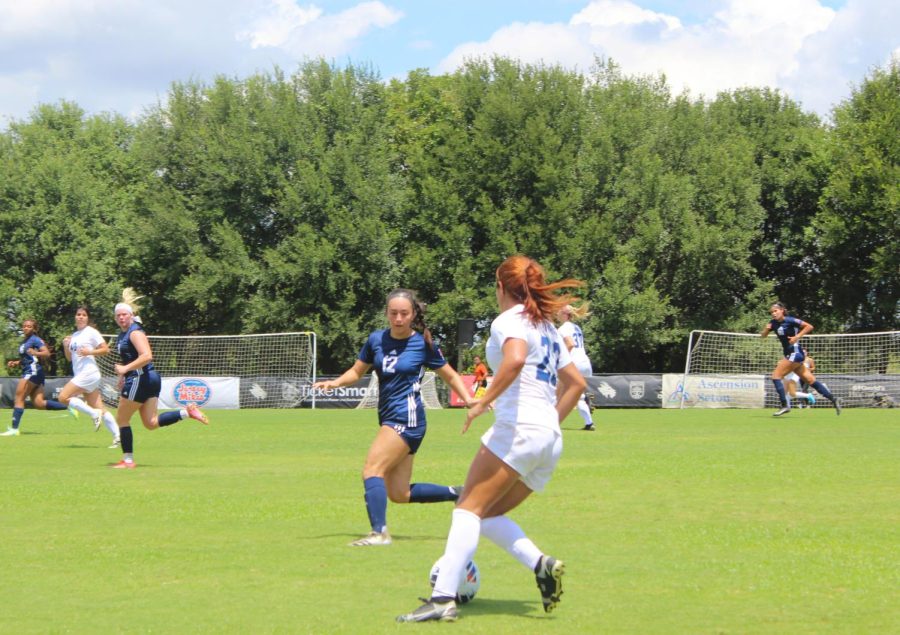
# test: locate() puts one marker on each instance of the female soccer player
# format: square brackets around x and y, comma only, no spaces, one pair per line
[574,339]
[400,355]
[82,348]
[31,352]
[139,384]
[789,331]
[535,386]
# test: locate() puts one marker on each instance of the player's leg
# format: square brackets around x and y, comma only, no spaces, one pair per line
[807,376]
[783,367]
[387,451]
[95,400]
[23,389]
[126,409]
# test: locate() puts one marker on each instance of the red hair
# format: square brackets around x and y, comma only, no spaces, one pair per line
[524,280]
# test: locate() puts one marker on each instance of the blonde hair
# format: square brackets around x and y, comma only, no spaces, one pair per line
[577,313]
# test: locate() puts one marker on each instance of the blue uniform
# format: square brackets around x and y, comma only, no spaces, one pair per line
[400,366]
[140,384]
[786,329]
[31,366]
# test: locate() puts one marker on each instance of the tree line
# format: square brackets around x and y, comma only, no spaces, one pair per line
[284,202]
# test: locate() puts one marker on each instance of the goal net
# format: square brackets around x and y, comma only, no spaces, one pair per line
[735,369]
[428,390]
[275,370]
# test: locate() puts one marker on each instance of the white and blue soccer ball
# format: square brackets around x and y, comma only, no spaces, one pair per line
[469,582]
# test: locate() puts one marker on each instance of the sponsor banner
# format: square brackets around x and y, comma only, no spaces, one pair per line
[860,391]
[714,391]
[468,380]
[52,387]
[207,392]
[626,391]
[292,392]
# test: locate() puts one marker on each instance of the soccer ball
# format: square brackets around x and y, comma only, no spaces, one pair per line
[469,583]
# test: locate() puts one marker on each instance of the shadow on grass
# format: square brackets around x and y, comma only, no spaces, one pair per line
[519,608]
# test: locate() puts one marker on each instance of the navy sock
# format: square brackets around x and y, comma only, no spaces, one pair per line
[127,440]
[17,417]
[168,418]
[55,405]
[822,390]
[431,493]
[779,388]
[376,502]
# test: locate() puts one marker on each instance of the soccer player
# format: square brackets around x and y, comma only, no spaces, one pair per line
[481,373]
[535,386]
[82,348]
[140,384]
[400,354]
[32,351]
[574,339]
[789,331]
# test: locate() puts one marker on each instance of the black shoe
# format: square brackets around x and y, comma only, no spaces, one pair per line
[549,581]
[784,410]
[589,428]
[431,611]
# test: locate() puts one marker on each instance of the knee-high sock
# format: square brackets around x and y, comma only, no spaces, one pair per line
[17,417]
[110,422]
[171,416]
[431,493]
[376,502]
[127,441]
[462,541]
[823,390]
[506,534]
[52,404]
[79,405]
[585,412]
[779,388]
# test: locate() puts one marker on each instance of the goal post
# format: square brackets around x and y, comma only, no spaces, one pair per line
[428,391]
[274,370]
[725,369]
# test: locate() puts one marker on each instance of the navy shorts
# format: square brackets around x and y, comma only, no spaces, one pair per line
[35,378]
[795,356]
[142,387]
[412,436]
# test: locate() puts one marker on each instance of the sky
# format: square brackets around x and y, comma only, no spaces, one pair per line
[123,55]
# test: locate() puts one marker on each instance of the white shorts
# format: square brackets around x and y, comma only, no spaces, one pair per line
[794,377]
[88,381]
[531,450]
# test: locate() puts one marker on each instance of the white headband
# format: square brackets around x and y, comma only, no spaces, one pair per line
[121,306]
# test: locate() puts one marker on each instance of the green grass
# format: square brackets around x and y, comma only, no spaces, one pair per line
[694,521]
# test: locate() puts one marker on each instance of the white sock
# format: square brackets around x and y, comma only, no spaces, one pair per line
[802,395]
[585,412]
[81,406]
[506,534]
[462,541]
[110,422]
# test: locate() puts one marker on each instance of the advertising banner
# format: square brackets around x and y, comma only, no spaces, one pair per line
[714,391]
[625,391]
[468,380]
[218,393]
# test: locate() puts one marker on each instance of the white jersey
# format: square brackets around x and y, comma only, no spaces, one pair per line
[85,364]
[578,352]
[531,398]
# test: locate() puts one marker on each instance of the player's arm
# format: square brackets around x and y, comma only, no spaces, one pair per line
[766,330]
[570,386]
[66,341]
[145,354]
[98,351]
[41,353]
[515,353]
[452,379]
[569,342]
[350,376]
[806,328]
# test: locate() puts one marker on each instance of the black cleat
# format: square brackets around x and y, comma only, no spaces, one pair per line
[549,580]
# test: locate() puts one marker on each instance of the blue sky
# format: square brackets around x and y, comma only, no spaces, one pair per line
[122,55]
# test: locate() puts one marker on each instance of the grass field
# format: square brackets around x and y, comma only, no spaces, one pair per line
[692,521]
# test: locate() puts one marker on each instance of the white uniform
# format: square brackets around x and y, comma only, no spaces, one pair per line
[84,367]
[526,434]
[578,352]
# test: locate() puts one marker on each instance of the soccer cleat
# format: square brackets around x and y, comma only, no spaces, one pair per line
[373,539]
[838,405]
[116,443]
[458,490]
[124,465]
[195,413]
[549,580]
[784,410]
[72,412]
[811,398]
[98,420]
[589,428]
[431,611]
[10,432]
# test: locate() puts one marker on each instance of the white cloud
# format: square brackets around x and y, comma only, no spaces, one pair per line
[308,31]
[800,46]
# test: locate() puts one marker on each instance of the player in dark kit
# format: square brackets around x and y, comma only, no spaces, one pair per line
[789,331]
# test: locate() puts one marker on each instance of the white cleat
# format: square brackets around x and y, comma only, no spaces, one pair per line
[116,443]
[373,539]
[10,432]
[783,411]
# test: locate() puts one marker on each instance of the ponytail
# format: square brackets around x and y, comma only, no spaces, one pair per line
[524,280]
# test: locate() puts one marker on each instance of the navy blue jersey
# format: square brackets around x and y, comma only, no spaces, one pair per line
[127,352]
[785,329]
[30,365]
[400,365]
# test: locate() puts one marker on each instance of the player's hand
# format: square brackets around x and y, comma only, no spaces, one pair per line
[120,370]
[793,339]
[12,363]
[477,409]
[325,385]
[67,340]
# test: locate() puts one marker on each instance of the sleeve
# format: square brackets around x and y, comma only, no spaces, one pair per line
[38,342]
[796,322]
[566,329]
[96,338]
[367,353]
[509,326]
[434,358]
